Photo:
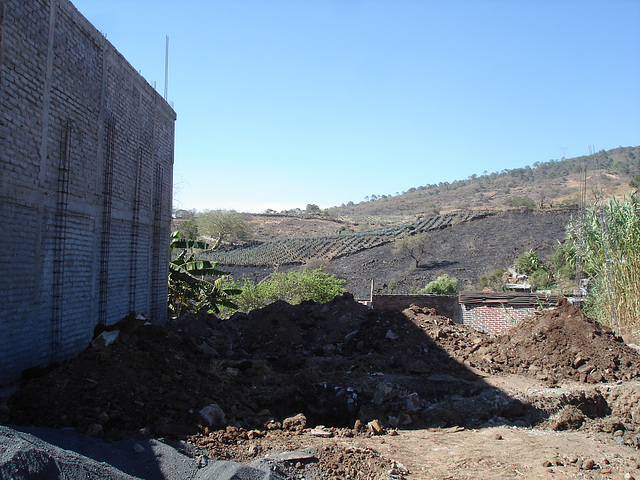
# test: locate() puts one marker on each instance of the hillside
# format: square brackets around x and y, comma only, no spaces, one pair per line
[466,245]
[474,226]
[552,183]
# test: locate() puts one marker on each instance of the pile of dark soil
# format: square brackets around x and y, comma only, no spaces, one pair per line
[336,362]
[149,378]
[559,344]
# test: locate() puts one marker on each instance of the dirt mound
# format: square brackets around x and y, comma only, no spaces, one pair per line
[233,387]
[335,362]
[559,344]
[148,378]
[458,341]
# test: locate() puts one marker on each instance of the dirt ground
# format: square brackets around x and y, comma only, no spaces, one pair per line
[340,391]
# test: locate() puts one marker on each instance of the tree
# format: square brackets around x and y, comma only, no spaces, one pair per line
[413,246]
[223,225]
[189,229]
[312,209]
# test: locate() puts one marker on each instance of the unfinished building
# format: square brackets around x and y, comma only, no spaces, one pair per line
[86,155]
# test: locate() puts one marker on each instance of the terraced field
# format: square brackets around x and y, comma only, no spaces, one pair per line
[292,251]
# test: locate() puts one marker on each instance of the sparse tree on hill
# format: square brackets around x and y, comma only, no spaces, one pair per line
[413,246]
[312,209]
[223,225]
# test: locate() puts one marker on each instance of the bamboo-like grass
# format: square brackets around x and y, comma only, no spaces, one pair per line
[607,238]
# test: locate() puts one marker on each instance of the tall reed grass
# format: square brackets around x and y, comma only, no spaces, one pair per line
[607,238]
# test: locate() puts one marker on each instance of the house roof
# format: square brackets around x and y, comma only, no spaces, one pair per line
[516,299]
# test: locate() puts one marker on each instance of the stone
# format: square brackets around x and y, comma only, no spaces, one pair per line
[392,421]
[594,377]
[413,402]
[585,369]
[375,427]
[305,455]
[358,426]
[95,430]
[405,419]
[383,392]
[137,448]
[213,416]
[209,350]
[296,422]
[321,431]
[105,339]
[588,464]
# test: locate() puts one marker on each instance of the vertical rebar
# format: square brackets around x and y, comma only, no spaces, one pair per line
[135,234]
[60,234]
[107,196]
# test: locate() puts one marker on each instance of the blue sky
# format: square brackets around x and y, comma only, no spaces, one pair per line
[285,103]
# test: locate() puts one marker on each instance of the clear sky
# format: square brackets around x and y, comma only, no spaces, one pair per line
[282,103]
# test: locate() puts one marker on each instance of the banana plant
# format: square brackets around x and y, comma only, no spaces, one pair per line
[188,289]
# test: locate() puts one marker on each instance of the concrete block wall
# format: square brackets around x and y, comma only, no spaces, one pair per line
[86,164]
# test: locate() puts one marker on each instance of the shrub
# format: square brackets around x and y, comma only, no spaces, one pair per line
[522,201]
[443,285]
[292,287]
[493,281]
[528,262]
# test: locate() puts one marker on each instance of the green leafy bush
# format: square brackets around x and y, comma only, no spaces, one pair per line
[528,262]
[292,287]
[443,285]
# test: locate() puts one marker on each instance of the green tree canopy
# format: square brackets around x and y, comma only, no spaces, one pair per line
[223,225]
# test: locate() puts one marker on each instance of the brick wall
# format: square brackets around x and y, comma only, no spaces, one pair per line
[494,318]
[86,154]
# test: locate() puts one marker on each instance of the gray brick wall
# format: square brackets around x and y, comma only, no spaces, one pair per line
[86,160]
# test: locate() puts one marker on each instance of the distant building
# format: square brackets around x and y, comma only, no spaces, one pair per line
[86,166]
